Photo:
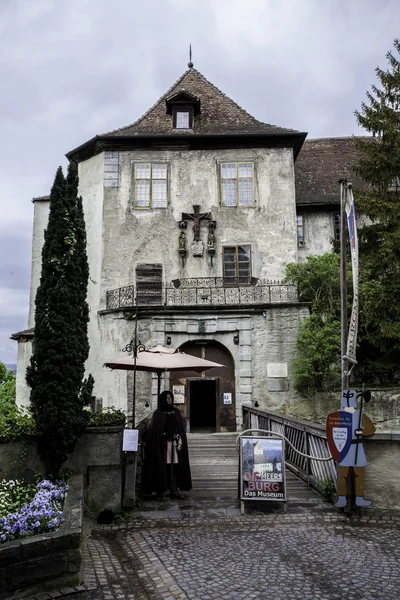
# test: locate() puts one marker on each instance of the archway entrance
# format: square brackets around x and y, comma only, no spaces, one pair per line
[207,403]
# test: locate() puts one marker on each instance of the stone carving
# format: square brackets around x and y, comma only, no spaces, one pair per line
[211,241]
[182,241]
[197,248]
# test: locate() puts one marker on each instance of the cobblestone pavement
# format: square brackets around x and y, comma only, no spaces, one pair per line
[303,556]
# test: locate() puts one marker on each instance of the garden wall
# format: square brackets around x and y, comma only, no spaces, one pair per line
[382,474]
[48,561]
[98,456]
[383,410]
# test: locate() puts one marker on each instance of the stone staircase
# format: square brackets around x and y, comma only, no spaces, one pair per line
[214,463]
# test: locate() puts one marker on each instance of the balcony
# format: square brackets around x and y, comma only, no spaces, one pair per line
[204,291]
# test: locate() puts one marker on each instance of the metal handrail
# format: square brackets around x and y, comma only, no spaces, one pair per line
[308,444]
[203,291]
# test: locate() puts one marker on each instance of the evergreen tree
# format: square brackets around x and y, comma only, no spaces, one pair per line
[379,238]
[55,375]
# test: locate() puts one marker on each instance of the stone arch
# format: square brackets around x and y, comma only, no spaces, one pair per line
[208,401]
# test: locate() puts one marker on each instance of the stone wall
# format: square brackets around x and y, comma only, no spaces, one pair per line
[48,561]
[383,410]
[98,456]
[382,474]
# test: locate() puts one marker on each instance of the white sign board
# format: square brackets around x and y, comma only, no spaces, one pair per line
[131,439]
[228,398]
[179,394]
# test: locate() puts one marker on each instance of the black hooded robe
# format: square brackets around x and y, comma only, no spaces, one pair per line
[154,476]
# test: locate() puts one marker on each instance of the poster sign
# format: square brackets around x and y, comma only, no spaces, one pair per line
[228,398]
[179,394]
[262,468]
[131,439]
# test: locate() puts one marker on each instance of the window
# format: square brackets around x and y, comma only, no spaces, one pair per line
[237,184]
[336,228]
[300,231]
[149,284]
[150,185]
[183,119]
[237,265]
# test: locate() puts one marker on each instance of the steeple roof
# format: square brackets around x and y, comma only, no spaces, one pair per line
[219,114]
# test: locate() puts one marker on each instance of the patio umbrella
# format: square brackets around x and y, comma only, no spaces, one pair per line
[160,360]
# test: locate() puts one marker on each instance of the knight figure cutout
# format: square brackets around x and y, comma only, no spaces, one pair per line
[345,430]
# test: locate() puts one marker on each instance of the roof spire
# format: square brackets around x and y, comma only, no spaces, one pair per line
[190,64]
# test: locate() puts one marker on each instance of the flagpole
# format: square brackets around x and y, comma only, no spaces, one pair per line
[343,286]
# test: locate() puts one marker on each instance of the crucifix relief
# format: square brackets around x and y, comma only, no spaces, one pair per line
[196,216]
[197,245]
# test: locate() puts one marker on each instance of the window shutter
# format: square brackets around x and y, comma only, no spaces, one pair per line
[149,284]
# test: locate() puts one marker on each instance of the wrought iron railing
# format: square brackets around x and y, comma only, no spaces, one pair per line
[211,291]
[308,438]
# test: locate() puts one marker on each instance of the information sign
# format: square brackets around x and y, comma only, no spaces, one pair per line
[227,398]
[262,469]
[131,439]
[179,394]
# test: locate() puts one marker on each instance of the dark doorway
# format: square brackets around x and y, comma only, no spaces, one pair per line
[203,405]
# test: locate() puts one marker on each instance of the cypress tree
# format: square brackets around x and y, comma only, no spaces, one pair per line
[61,347]
[379,237]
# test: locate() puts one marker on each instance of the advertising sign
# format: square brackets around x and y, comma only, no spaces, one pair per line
[262,469]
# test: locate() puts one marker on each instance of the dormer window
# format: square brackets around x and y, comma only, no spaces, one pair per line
[183,107]
[183,119]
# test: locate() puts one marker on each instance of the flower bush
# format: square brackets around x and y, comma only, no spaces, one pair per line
[26,510]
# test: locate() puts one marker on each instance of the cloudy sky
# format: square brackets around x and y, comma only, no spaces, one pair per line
[70,69]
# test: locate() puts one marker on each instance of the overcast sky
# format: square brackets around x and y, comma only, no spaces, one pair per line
[70,69]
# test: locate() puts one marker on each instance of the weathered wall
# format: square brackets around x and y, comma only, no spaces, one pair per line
[318,233]
[40,219]
[383,410]
[382,474]
[120,237]
[274,340]
[263,357]
[91,173]
[133,236]
[23,358]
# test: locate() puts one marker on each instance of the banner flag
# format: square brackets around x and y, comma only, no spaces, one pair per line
[352,226]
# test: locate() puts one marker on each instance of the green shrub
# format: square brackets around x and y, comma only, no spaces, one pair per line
[107,417]
[16,424]
[326,488]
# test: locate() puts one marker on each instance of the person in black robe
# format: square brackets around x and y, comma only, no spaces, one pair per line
[166,462]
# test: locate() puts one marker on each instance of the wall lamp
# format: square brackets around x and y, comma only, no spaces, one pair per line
[236,337]
[168,340]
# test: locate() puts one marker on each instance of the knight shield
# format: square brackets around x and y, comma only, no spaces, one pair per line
[339,433]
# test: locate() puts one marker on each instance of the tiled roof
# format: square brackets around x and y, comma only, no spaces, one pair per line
[41,199]
[319,167]
[219,114]
[26,333]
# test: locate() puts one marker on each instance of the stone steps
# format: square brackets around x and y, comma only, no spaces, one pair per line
[214,463]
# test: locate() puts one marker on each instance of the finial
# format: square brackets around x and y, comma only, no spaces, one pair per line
[190,64]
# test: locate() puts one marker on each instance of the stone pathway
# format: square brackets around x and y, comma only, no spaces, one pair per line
[203,555]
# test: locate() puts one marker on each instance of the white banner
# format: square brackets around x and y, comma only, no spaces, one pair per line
[352,226]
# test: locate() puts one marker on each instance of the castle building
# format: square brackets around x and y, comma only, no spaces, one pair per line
[194,210]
